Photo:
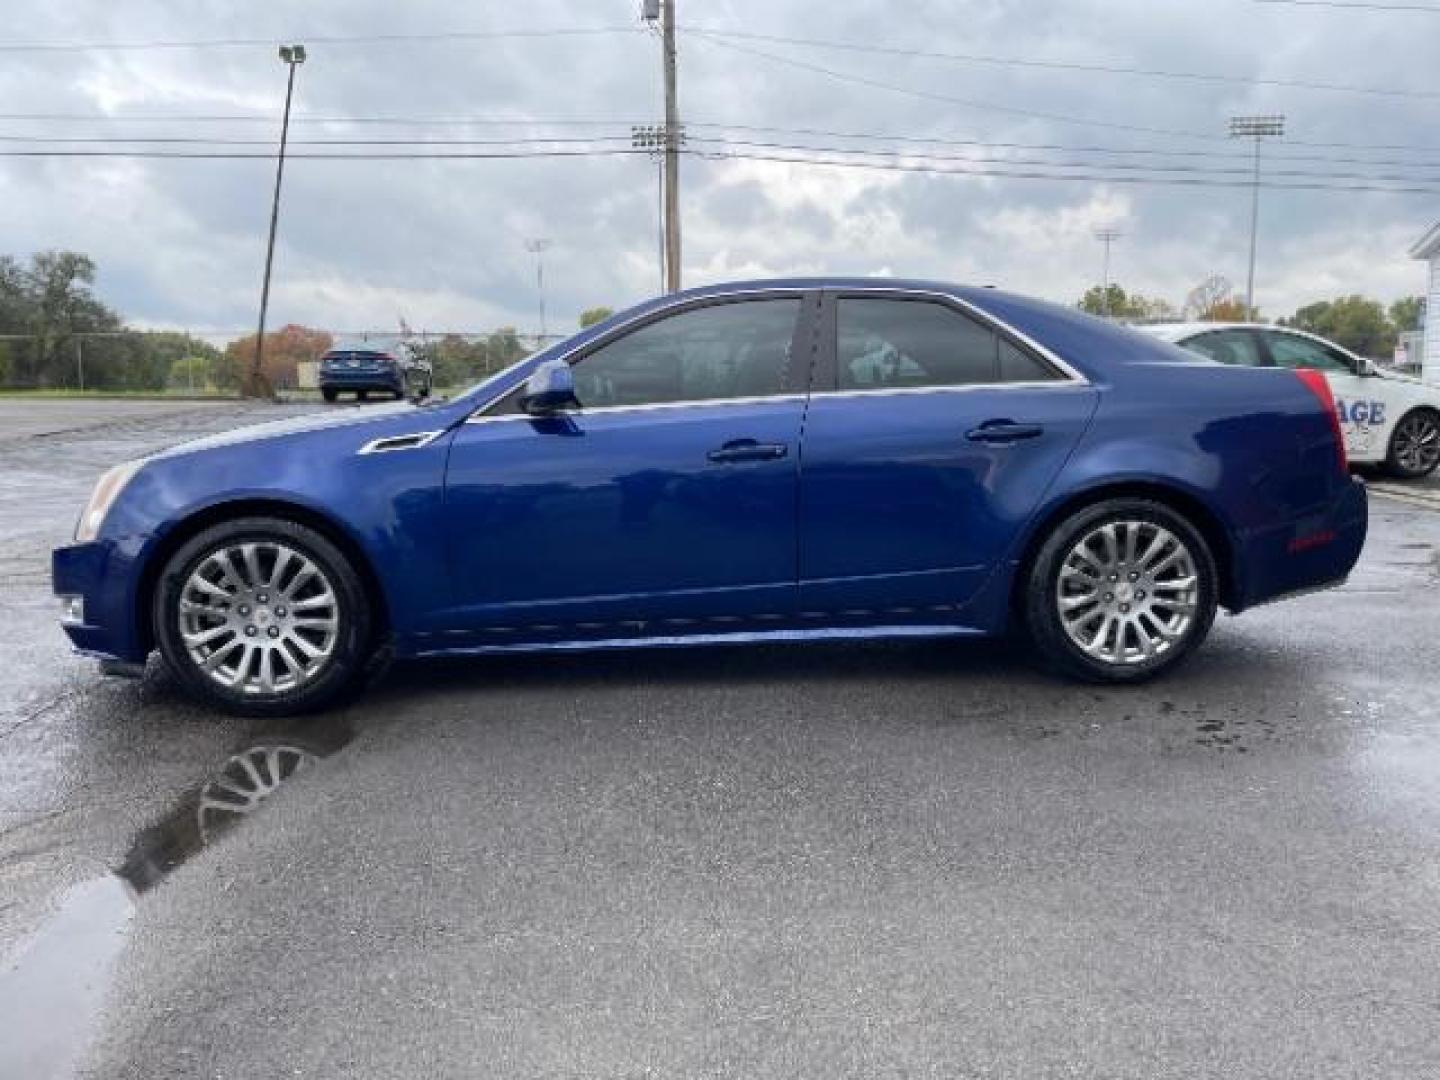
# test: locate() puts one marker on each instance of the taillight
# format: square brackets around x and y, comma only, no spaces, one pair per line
[1320,387]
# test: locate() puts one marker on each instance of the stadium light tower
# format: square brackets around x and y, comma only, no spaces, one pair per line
[257,385]
[1258,128]
[1106,236]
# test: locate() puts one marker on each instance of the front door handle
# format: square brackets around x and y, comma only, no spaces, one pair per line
[747,450]
[1000,432]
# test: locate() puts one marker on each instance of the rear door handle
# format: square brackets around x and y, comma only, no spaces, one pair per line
[747,450]
[1003,431]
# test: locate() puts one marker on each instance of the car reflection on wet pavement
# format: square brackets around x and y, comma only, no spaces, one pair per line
[848,860]
[51,996]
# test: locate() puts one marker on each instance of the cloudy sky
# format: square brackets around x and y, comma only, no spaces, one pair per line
[441,242]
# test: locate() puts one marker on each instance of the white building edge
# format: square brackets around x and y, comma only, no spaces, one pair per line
[1428,248]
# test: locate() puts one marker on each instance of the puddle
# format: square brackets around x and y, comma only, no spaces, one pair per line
[51,998]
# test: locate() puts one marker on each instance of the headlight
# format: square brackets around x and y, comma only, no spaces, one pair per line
[107,490]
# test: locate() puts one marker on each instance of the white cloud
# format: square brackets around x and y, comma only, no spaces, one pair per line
[442,241]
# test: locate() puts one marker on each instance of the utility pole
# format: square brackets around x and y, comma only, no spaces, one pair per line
[538,247]
[672,150]
[80,362]
[1257,128]
[257,385]
[1106,236]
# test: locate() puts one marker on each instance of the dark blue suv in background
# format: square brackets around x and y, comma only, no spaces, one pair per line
[363,370]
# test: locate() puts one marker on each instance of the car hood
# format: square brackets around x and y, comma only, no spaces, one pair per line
[380,417]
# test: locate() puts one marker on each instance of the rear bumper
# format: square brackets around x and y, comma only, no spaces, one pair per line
[102,575]
[362,380]
[1315,551]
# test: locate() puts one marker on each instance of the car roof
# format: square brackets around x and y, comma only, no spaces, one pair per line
[1176,331]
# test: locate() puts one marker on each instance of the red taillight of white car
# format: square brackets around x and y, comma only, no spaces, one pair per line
[1321,389]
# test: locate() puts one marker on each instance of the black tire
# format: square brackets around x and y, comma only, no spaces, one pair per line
[1403,458]
[1041,596]
[362,395]
[353,643]
[329,394]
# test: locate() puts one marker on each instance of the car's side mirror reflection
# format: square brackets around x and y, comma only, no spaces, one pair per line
[550,390]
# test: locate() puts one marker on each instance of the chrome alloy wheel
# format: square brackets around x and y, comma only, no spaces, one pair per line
[259,617]
[1417,443]
[1127,592]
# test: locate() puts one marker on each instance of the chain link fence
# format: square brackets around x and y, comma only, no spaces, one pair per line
[207,363]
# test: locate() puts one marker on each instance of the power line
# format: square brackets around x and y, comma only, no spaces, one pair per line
[1056,65]
[203,140]
[725,137]
[1003,160]
[1429,9]
[627,123]
[1034,114]
[927,95]
[341,39]
[583,148]
[1029,174]
[1303,181]
[1125,150]
[264,118]
[218,155]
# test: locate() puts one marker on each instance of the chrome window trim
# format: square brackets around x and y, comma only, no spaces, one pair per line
[422,438]
[1072,377]
[957,388]
[654,406]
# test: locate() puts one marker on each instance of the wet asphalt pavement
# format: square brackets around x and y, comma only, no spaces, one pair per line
[889,860]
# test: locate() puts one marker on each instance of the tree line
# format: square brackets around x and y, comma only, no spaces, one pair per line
[55,333]
[1358,323]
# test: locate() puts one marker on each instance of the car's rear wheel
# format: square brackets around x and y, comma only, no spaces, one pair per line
[1120,591]
[263,617]
[1415,445]
[328,394]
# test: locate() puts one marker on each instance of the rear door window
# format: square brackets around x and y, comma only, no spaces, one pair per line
[896,344]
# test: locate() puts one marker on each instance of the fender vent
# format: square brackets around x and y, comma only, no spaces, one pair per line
[400,442]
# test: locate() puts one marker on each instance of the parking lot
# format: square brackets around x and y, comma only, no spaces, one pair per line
[898,859]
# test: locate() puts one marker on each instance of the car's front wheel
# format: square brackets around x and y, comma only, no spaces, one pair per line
[1415,445]
[1120,591]
[264,617]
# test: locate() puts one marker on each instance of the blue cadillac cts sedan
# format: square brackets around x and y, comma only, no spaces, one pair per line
[766,461]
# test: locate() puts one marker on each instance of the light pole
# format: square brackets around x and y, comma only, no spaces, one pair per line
[257,385]
[538,247]
[1107,237]
[651,137]
[1257,128]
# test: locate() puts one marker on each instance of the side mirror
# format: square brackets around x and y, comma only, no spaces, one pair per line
[550,389]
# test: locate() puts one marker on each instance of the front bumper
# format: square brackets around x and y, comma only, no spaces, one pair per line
[101,575]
